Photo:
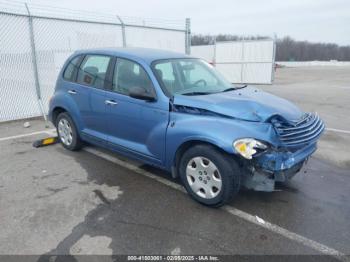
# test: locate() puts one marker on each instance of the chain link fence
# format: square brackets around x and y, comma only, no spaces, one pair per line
[35,41]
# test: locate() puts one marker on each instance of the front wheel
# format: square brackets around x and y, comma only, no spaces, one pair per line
[210,176]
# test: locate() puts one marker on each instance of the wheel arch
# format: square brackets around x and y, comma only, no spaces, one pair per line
[190,143]
[69,109]
[55,112]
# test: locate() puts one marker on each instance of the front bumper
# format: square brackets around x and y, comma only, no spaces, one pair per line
[280,160]
[275,166]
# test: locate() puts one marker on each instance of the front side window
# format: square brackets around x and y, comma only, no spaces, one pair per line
[189,77]
[165,71]
[128,74]
[93,69]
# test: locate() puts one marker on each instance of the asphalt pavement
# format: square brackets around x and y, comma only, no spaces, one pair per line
[54,202]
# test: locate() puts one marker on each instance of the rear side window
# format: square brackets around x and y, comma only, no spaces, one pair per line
[71,69]
[93,69]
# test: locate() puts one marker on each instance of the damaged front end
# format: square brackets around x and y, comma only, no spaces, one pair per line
[298,141]
[272,137]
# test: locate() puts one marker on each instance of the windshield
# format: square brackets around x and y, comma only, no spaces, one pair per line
[189,77]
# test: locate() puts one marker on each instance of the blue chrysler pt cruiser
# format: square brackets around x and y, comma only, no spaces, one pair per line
[178,113]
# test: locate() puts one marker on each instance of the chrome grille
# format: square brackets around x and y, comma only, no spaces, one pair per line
[308,129]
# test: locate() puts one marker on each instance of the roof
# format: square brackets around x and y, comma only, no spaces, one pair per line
[148,55]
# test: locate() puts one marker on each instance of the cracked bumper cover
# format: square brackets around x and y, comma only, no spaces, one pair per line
[276,166]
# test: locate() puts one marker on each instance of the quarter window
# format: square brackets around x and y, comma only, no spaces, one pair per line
[93,69]
[128,74]
[71,69]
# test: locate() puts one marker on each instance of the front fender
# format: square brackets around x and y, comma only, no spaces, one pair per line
[216,130]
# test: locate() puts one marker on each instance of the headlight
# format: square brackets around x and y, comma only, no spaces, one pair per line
[247,147]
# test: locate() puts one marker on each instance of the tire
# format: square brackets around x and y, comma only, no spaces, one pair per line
[202,163]
[67,132]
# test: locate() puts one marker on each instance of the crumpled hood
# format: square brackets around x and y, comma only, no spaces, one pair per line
[247,103]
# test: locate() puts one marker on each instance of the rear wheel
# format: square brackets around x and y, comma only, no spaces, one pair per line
[67,132]
[210,176]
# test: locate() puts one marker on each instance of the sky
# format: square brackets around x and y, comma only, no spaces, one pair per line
[311,20]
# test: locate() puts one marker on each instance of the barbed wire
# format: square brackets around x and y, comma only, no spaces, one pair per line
[19,7]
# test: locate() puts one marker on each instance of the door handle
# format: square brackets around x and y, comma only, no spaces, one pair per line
[111,102]
[72,92]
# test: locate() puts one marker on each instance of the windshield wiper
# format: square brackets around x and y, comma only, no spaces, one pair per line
[234,88]
[196,93]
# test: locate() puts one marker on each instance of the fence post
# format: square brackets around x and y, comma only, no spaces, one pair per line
[242,59]
[214,58]
[273,59]
[35,65]
[188,36]
[123,30]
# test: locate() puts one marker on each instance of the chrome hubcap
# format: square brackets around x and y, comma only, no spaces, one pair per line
[203,177]
[65,131]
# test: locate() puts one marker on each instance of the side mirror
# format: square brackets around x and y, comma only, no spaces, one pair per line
[141,93]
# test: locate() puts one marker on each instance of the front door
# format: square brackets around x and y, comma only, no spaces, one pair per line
[135,126]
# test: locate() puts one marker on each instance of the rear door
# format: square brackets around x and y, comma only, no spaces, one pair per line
[89,94]
[135,126]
